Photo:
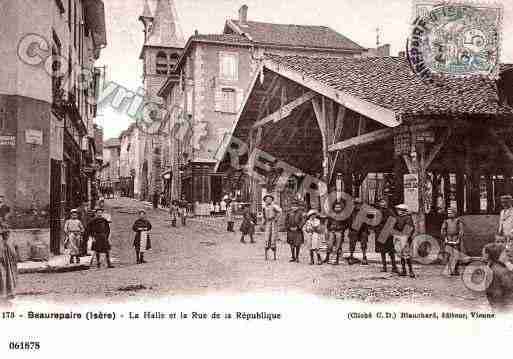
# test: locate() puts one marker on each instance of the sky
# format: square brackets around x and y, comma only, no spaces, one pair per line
[356,19]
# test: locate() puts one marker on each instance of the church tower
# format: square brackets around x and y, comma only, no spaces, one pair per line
[163,45]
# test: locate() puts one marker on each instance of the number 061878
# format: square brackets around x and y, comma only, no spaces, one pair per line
[29,346]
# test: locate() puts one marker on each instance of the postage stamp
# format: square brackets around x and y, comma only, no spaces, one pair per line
[457,38]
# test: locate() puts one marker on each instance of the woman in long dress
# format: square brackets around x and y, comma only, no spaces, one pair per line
[142,241]
[8,265]
[73,231]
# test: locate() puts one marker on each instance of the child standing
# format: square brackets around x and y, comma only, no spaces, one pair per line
[142,242]
[403,243]
[8,265]
[312,230]
[73,230]
[452,235]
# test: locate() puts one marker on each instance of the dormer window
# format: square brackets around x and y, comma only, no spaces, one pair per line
[173,60]
[162,63]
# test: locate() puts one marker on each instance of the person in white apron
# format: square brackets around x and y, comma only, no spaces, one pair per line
[505,230]
[142,242]
[271,214]
[73,232]
[403,243]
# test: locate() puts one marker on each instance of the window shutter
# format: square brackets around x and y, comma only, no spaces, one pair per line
[235,64]
[219,99]
[240,98]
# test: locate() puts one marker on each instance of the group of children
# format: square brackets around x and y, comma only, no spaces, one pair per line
[177,209]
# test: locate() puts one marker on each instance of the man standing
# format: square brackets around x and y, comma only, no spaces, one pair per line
[358,235]
[271,214]
[99,229]
[387,244]
[294,224]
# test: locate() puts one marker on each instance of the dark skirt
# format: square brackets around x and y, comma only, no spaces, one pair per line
[137,243]
[101,244]
[295,238]
[247,227]
[386,247]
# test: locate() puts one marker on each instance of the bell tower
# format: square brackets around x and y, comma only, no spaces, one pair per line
[163,45]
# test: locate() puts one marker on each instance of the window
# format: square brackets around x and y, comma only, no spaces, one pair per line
[229,66]
[173,60]
[162,64]
[228,100]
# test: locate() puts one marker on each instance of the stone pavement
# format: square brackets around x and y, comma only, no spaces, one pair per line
[204,259]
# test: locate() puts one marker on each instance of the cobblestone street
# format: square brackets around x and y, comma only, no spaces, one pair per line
[204,259]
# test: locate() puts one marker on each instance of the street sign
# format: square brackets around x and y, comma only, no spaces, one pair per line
[411,192]
[34,137]
[8,141]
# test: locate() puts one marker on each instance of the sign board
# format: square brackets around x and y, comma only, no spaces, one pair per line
[8,141]
[411,192]
[34,137]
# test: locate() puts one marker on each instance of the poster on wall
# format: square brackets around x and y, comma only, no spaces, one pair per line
[411,192]
[8,141]
[34,137]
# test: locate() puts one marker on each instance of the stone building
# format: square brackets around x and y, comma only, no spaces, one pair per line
[204,93]
[109,176]
[130,161]
[47,107]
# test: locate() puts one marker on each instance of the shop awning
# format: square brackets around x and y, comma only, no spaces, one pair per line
[95,19]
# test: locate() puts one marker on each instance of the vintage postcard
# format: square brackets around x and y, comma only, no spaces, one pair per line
[256,178]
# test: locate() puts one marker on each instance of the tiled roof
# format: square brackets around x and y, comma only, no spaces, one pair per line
[225,38]
[297,35]
[389,82]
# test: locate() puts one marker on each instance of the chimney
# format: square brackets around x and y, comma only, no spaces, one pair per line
[402,54]
[196,32]
[384,50]
[243,15]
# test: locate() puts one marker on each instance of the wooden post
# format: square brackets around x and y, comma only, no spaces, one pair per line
[489,193]
[398,195]
[447,189]
[460,190]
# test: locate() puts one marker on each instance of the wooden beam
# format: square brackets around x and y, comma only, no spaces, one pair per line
[286,110]
[436,148]
[320,116]
[271,93]
[339,126]
[370,137]
[380,114]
